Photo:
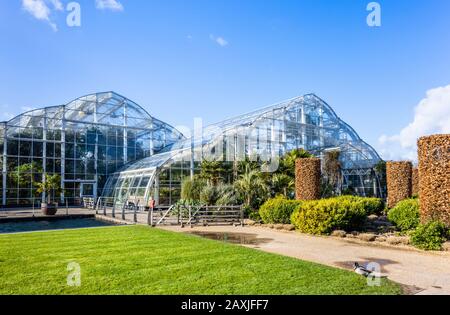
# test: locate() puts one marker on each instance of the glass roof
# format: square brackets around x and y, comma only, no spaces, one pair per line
[285,117]
[107,108]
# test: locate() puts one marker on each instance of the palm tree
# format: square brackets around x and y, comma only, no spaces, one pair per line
[287,162]
[50,184]
[241,166]
[251,186]
[282,183]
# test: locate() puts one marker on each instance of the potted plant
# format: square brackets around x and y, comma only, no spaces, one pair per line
[49,185]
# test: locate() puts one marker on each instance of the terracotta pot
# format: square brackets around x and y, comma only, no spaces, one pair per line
[49,209]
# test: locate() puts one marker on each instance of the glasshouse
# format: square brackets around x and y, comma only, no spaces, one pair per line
[104,145]
[265,135]
[84,141]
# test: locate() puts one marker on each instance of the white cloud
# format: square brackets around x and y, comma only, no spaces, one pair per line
[57,5]
[37,8]
[113,5]
[40,10]
[432,116]
[219,40]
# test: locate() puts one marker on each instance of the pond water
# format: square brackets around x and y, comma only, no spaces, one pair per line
[43,225]
[234,238]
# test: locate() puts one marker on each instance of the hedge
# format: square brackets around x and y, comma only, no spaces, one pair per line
[429,236]
[405,215]
[278,210]
[371,205]
[324,216]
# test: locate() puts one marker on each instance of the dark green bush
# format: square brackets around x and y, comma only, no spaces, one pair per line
[405,215]
[324,216]
[429,236]
[277,210]
[252,214]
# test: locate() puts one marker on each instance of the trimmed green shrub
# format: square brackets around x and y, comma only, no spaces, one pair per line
[405,215]
[371,205]
[278,210]
[324,216]
[429,236]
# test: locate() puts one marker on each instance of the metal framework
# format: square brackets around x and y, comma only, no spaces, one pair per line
[304,122]
[85,141]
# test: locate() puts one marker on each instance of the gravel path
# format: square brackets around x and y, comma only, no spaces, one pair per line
[420,272]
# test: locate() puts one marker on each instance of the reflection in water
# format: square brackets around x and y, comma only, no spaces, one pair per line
[234,238]
[54,224]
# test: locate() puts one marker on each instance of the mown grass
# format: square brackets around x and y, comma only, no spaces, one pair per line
[140,260]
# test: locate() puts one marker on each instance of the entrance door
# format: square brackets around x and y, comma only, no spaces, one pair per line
[86,190]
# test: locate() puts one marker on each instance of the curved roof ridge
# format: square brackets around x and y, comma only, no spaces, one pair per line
[113,93]
[80,98]
[96,95]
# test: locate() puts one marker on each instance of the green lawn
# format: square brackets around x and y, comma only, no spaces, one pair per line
[140,260]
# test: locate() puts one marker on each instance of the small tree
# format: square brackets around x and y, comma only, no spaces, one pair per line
[214,172]
[50,184]
[332,171]
[27,174]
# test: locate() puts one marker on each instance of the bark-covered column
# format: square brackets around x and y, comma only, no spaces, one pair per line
[434,177]
[415,181]
[398,176]
[307,179]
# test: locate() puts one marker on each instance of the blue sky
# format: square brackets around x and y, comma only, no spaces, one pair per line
[215,59]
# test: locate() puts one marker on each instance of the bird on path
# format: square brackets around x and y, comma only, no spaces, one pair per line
[361,270]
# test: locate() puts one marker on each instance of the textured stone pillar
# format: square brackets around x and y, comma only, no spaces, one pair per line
[434,177]
[415,181]
[398,176]
[307,179]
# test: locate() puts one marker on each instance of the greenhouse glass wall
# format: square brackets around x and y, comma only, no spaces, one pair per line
[305,122]
[105,145]
[84,141]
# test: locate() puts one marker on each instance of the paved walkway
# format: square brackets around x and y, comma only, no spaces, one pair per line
[30,213]
[420,272]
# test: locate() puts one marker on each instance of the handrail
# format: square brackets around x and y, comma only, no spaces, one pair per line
[195,213]
[165,214]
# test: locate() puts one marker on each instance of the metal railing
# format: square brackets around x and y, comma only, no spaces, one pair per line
[205,215]
[215,215]
[110,206]
[33,209]
[171,215]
